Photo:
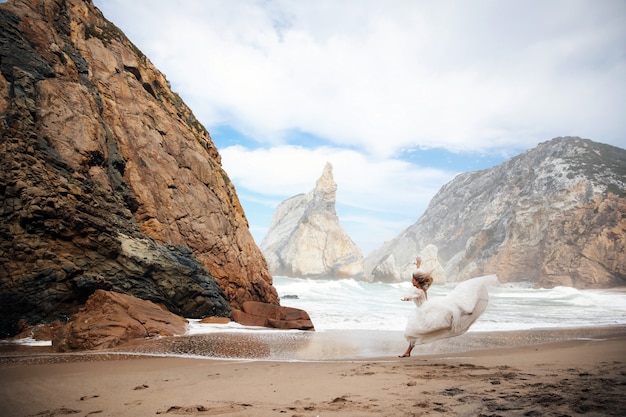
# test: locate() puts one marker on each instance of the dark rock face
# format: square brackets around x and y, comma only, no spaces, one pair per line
[110,319]
[107,179]
[63,238]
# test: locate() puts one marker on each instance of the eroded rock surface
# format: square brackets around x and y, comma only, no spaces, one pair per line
[554,215]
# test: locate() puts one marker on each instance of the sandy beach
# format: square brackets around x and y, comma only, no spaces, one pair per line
[582,375]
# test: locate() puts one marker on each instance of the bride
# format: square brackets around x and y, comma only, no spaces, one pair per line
[446,316]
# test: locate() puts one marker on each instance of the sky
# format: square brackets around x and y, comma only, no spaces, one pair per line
[398,95]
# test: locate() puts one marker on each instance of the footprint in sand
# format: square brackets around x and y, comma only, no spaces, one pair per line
[205,410]
[56,412]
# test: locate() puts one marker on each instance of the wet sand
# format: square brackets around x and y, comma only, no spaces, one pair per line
[534,373]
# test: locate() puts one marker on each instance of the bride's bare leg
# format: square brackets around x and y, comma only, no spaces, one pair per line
[407,353]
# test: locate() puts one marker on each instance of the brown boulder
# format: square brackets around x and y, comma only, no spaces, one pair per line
[44,331]
[256,313]
[215,320]
[110,319]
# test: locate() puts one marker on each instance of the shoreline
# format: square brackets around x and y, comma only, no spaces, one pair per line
[276,345]
[574,376]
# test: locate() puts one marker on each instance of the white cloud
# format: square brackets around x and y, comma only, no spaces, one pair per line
[459,75]
[363,182]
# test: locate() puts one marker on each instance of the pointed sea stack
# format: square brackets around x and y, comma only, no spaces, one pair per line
[306,240]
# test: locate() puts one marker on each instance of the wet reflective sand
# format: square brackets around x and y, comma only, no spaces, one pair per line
[279,345]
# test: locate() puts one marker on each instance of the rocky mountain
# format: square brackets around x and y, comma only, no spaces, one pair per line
[305,238]
[108,181]
[554,215]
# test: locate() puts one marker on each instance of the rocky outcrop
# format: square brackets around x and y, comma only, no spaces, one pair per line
[108,181]
[255,313]
[386,269]
[305,238]
[555,215]
[109,319]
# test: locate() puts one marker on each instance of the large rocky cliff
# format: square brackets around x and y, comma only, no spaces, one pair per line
[554,215]
[305,238]
[107,178]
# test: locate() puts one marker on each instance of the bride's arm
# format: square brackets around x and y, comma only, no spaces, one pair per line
[416,294]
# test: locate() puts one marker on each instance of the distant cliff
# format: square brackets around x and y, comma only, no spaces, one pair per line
[108,181]
[554,215]
[305,238]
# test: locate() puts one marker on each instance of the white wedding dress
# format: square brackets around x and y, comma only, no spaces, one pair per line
[448,316]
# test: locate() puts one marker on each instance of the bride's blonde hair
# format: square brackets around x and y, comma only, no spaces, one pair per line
[424,279]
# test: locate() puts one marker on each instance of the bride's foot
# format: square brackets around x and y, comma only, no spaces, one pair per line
[407,352]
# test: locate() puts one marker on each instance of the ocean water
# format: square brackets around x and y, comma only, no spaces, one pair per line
[349,304]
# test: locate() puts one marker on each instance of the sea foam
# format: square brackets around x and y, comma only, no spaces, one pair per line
[350,304]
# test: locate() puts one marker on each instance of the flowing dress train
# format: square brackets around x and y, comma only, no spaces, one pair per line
[451,315]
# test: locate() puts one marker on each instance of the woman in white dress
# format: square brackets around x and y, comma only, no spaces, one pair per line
[421,281]
[447,316]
